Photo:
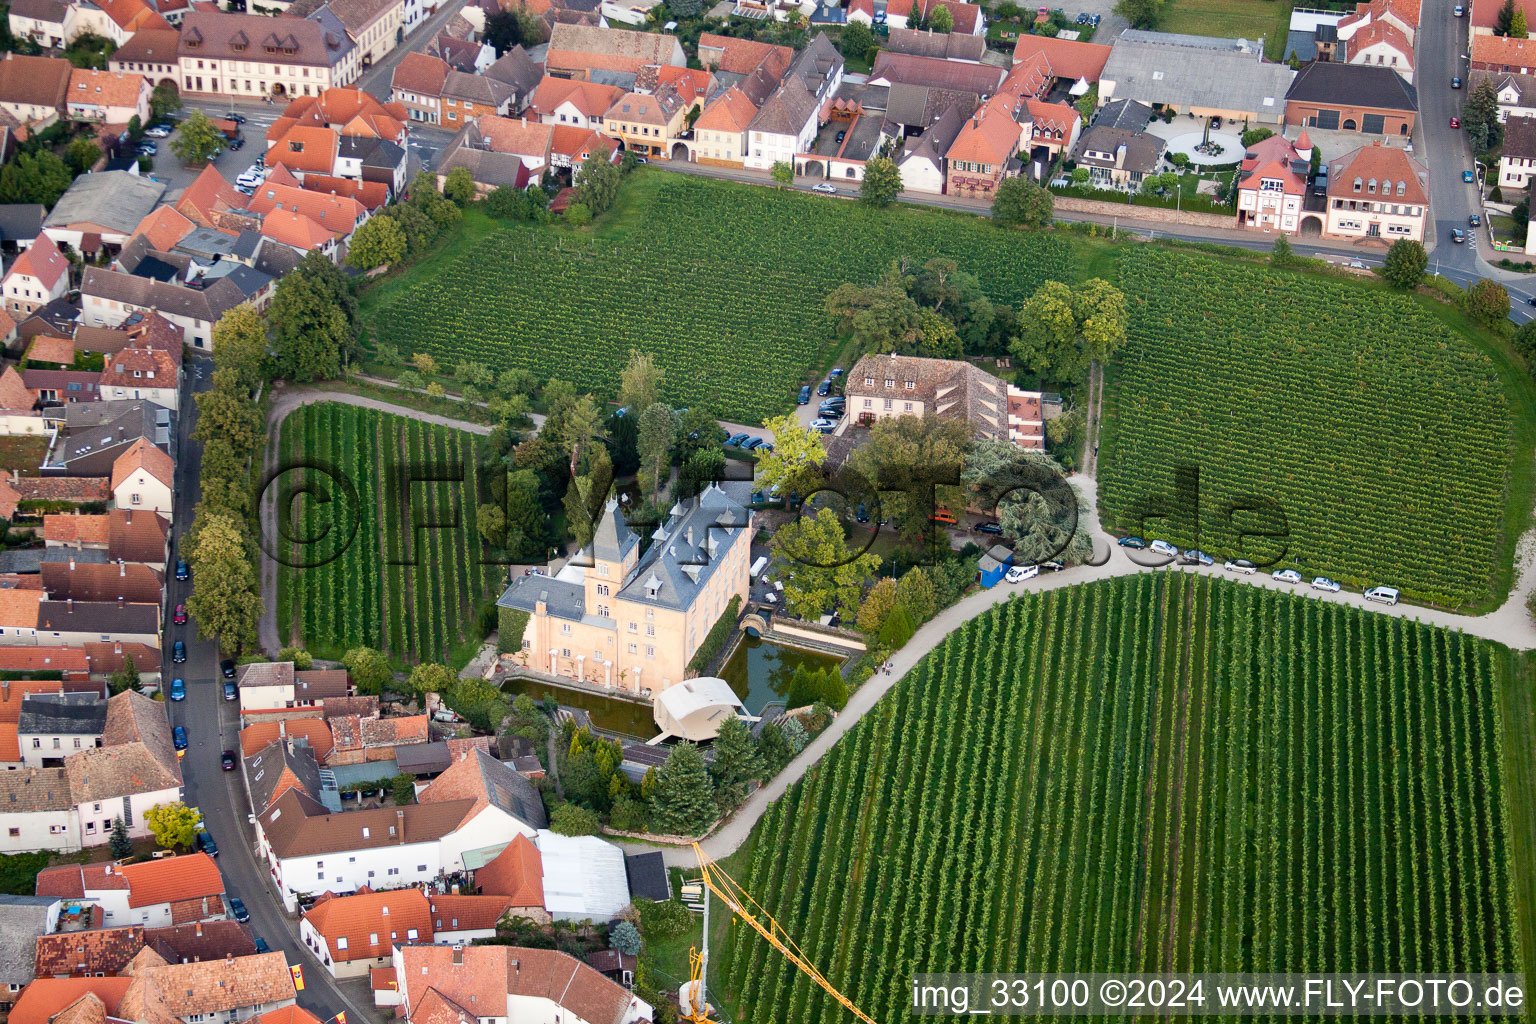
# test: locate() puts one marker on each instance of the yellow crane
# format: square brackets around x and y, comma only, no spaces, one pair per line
[695,1008]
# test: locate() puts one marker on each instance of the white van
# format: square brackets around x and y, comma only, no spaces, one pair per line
[1386,595]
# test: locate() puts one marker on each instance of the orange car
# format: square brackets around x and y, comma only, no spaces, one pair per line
[944,515]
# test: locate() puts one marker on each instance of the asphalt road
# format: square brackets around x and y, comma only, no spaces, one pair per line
[1442,40]
[212,726]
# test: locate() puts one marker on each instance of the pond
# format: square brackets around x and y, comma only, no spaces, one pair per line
[610,715]
[759,670]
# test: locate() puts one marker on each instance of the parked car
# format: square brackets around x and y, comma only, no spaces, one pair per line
[261,945]
[825,188]
[1460,11]
[823,424]
[179,651]
[178,689]
[945,516]
[250,180]
[227,668]
[1286,576]
[735,440]
[179,737]
[1020,573]
[1051,566]
[751,444]
[237,144]
[235,116]
[1162,547]
[1135,543]
[179,617]
[158,131]
[1458,236]
[841,135]
[227,759]
[146,149]
[1473,220]
[765,447]
[1323,583]
[641,160]
[229,689]
[237,910]
[1455,83]
[205,843]
[862,515]
[805,395]
[1455,122]
[837,371]
[1194,556]
[1242,566]
[825,388]
[1385,595]
[989,528]
[183,571]
[1467,176]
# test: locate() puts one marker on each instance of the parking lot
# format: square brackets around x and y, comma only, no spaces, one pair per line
[230,163]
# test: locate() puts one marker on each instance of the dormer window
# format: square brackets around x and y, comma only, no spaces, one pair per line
[1358,184]
[890,382]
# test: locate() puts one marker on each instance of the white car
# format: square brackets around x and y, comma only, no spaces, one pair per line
[1162,547]
[159,131]
[1386,595]
[1242,565]
[1325,584]
[1020,573]
[826,188]
[250,180]
[1286,576]
[824,425]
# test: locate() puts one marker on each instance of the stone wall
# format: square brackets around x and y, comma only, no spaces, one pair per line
[1072,204]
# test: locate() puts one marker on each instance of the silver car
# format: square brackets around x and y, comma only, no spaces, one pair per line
[1326,585]
[1286,576]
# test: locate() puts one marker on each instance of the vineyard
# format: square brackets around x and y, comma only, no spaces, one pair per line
[368,566]
[1160,773]
[1382,436]
[724,283]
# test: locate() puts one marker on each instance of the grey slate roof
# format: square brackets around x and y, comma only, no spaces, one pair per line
[477,88]
[116,200]
[1356,85]
[562,599]
[62,714]
[948,45]
[935,142]
[264,769]
[372,152]
[506,789]
[612,540]
[205,304]
[1128,114]
[22,920]
[648,876]
[1193,71]
[98,617]
[21,222]
[518,70]
[1142,150]
[675,568]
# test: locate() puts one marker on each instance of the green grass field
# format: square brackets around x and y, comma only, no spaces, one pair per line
[1231,19]
[724,283]
[1164,773]
[385,562]
[1386,441]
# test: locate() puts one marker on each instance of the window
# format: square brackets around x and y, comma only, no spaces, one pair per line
[633,649]
[370,874]
[373,938]
[890,382]
[421,868]
[410,934]
[634,627]
[16,832]
[869,382]
[393,871]
[888,404]
[650,652]
[341,942]
[650,630]
[910,385]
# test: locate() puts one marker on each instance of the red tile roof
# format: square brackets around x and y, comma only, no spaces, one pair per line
[172,879]
[731,111]
[164,227]
[305,148]
[348,111]
[366,926]
[991,135]
[517,873]
[589,98]
[1068,57]
[1382,32]
[255,737]
[105,950]
[42,1000]
[737,56]
[338,214]
[48,349]
[106,88]
[143,455]
[515,136]
[371,194]
[43,261]
[420,73]
[480,978]
[466,913]
[206,195]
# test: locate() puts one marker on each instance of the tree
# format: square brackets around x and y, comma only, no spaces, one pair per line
[882,180]
[625,938]
[240,345]
[225,601]
[1063,331]
[227,413]
[940,20]
[797,454]
[403,788]
[1253,136]
[915,591]
[857,41]
[578,215]
[173,824]
[881,317]
[429,678]
[37,177]
[164,100]
[736,763]
[599,181]
[1525,344]
[700,469]
[526,524]
[826,574]
[794,735]
[459,186]
[379,242]
[82,154]
[640,382]
[1480,117]
[1517,26]
[682,801]
[1021,203]
[197,140]
[1280,254]
[586,496]
[119,844]
[773,748]
[877,604]
[302,659]
[782,172]
[575,820]
[1506,19]
[505,29]
[369,669]
[1487,303]
[491,523]
[658,433]
[1406,263]
[916,462]
[1140,13]
[127,677]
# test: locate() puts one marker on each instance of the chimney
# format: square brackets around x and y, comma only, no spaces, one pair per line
[458,955]
[69,605]
[400,825]
[71,563]
[199,927]
[1120,156]
[119,600]
[122,569]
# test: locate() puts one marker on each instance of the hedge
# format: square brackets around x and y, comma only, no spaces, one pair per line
[718,634]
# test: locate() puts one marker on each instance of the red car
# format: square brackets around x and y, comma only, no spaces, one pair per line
[1455,122]
[180,616]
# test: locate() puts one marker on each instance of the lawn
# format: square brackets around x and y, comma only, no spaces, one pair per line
[1384,445]
[23,453]
[386,554]
[724,283]
[1231,19]
[1160,774]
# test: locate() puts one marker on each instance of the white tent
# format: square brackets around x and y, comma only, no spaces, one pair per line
[584,877]
[694,709]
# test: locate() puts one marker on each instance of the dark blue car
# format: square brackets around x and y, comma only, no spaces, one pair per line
[237,910]
[805,395]
[735,440]
[179,737]
[1132,542]
[825,388]
[178,689]
[179,651]
[183,571]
